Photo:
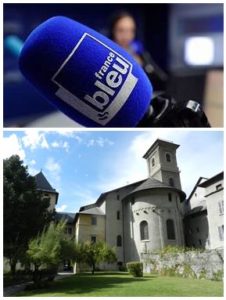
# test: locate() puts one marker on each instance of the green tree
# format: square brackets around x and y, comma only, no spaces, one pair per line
[95,253]
[48,249]
[25,212]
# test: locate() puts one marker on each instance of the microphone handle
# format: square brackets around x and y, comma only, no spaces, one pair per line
[164,111]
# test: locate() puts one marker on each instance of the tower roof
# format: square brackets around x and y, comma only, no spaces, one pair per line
[43,184]
[160,142]
[152,183]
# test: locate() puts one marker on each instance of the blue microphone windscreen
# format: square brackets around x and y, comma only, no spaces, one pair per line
[87,76]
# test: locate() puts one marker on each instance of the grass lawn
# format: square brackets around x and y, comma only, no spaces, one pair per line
[122,284]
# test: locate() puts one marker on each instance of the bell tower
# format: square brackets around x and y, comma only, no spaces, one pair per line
[162,163]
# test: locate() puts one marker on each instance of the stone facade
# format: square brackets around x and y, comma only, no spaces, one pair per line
[155,203]
[155,208]
[162,163]
[146,206]
[151,214]
[208,264]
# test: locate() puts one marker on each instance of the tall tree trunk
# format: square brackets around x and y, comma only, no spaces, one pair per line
[36,274]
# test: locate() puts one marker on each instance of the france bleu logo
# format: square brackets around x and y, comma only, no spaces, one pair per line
[97,86]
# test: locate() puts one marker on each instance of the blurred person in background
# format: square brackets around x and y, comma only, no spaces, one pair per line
[123,31]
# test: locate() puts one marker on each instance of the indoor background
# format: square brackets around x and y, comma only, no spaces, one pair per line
[184,40]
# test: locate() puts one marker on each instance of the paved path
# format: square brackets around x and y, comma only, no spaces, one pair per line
[11,290]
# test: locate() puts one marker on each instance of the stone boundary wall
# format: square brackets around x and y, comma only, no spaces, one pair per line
[208,264]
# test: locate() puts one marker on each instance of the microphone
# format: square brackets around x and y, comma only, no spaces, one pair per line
[85,75]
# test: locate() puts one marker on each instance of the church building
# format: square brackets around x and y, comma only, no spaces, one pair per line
[146,215]
[153,213]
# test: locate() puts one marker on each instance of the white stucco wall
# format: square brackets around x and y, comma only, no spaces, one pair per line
[215,216]
[84,228]
[198,197]
[114,227]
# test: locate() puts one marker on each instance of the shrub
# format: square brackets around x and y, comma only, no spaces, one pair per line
[188,271]
[135,268]
[167,271]
[123,268]
[218,276]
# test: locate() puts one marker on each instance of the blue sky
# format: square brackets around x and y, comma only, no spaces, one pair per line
[81,165]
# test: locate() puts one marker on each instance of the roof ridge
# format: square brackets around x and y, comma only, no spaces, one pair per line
[42,182]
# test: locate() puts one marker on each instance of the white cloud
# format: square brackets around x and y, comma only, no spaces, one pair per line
[61,208]
[32,162]
[66,146]
[103,142]
[52,165]
[33,171]
[53,170]
[55,144]
[142,142]
[35,139]
[68,133]
[129,166]
[11,146]
[90,143]
[78,139]
[60,144]
[83,195]
[200,156]
[100,141]
[65,132]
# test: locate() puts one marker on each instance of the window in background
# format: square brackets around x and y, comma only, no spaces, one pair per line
[199,51]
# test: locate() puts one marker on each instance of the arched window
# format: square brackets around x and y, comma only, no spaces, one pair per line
[170,229]
[153,162]
[168,157]
[119,241]
[144,230]
[171,182]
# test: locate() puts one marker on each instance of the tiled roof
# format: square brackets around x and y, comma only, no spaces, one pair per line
[152,183]
[42,183]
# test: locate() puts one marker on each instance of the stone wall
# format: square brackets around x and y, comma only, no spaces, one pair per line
[206,264]
[154,207]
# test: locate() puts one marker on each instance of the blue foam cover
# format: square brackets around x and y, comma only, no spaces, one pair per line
[85,75]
